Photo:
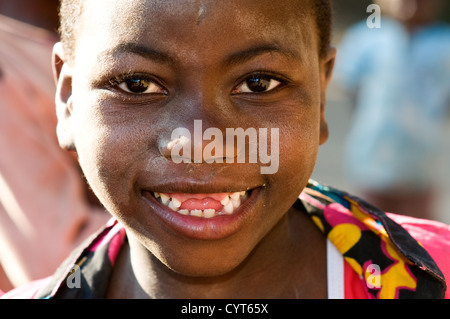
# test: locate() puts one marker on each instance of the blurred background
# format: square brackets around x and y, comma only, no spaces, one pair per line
[340,110]
[403,68]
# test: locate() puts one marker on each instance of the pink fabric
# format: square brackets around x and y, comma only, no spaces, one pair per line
[42,195]
[432,235]
[27,291]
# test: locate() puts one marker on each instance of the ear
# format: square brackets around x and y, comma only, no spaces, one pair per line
[62,72]
[326,72]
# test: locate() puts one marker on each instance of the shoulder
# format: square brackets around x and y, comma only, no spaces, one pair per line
[83,273]
[434,236]
[412,254]
[423,230]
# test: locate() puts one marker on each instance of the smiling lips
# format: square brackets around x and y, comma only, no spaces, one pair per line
[202,205]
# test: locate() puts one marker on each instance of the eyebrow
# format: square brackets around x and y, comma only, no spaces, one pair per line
[248,54]
[141,50]
[232,60]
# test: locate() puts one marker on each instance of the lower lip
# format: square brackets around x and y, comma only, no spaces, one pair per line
[215,228]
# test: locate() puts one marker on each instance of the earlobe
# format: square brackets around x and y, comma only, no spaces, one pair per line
[324,132]
[63,98]
[326,72]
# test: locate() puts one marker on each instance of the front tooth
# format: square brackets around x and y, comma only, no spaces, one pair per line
[228,208]
[196,212]
[242,193]
[165,199]
[235,195]
[225,200]
[172,206]
[236,203]
[209,213]
[184,212]
[176,203]
[156,195]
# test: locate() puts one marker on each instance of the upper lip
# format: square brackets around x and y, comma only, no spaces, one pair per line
[199,187]
[198,178]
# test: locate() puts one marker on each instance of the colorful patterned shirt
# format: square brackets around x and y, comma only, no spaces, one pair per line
[386,256]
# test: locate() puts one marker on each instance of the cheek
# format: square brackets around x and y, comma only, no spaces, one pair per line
[102,161]
[109,155]
[299,143]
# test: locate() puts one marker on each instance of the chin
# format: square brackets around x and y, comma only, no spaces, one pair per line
[204,263]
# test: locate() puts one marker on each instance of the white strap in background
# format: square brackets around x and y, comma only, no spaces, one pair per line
[335,272]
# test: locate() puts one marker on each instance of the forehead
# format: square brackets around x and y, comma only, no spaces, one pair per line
[184,24]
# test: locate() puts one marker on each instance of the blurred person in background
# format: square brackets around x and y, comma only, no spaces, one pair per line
[44,201]
[399,78]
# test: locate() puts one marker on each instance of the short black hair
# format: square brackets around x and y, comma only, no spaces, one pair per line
[71,10]
[324,20]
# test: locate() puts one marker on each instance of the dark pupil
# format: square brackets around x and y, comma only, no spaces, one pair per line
[137,85]
[258,84]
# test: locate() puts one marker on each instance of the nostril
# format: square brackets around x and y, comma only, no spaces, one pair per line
[178,147]
[164,150]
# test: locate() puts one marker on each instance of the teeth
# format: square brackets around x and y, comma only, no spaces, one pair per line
[230,203]
[172,206]
[225,200]
[235,196]
[196,212]
[236,202]
[165,199]
[176,203]
[228,208]
[209,213]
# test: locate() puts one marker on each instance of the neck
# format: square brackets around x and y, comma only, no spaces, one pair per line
[283,265]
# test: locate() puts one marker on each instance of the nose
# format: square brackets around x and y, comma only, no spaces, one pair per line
[198,144]
[202,111]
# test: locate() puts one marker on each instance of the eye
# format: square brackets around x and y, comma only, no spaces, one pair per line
[140,85]
[257,84]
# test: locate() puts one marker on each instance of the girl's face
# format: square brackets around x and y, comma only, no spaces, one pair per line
[145,68]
